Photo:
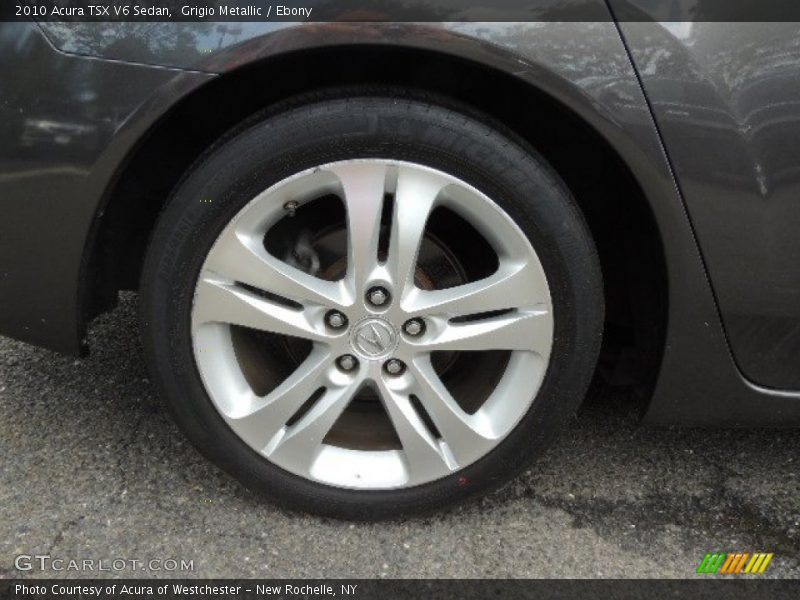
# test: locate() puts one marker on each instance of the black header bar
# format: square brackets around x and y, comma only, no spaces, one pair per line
[398,10]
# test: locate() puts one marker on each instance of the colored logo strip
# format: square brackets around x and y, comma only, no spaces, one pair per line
[732,563]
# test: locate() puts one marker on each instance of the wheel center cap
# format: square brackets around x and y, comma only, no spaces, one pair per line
[373,338]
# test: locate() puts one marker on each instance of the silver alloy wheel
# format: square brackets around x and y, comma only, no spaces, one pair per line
[515,299]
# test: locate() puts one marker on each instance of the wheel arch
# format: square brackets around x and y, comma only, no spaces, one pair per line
[544,113]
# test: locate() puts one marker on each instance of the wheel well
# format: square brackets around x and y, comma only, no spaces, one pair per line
[614,205]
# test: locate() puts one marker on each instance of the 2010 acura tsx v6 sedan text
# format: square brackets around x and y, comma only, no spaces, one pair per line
[378,264]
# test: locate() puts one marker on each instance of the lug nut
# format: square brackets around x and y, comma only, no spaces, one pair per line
[335,319]
[348,362]
[414,327]
[378,296]
[394,366]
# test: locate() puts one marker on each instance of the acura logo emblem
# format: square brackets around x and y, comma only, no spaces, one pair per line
[374,338]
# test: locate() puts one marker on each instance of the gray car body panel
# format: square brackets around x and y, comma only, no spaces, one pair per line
[584,66]
[66,127]
[726,97]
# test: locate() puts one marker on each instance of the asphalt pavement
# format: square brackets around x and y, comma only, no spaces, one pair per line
[93,469]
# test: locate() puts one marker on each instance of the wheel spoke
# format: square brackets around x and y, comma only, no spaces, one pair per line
[530,330]
[217,301]
[364,186]
[299,447]
[415,198]
[467,436]
[265,416]
[242,258]
[425,458]
[511,286]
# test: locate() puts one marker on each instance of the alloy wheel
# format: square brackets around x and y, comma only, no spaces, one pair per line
[371,330]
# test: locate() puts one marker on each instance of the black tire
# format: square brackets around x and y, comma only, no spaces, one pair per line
[270,148]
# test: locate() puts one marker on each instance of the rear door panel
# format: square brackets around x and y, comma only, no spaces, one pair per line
[726,97]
